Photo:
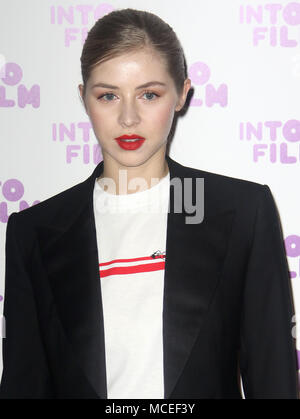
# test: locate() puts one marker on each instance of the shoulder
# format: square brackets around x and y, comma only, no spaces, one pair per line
[219,180]
[62,203]
[221,191]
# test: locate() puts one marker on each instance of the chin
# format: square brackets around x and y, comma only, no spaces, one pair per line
[135,158]
[134,161]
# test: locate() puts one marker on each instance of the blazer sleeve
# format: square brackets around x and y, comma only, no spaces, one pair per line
[268,361]
[25,370]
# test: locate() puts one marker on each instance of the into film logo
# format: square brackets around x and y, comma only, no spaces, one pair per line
[11,75]
[188,196]
[272,141]
[273,24]
[77,19]
[12,190]
[210,95]
[76,140]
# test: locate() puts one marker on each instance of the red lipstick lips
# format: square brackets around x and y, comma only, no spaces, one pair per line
[136,142]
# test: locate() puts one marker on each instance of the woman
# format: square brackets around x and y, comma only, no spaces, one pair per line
[108,297]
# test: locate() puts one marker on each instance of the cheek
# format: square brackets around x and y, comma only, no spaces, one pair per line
[96,112]
[100,119]
[163,113]
[163,118]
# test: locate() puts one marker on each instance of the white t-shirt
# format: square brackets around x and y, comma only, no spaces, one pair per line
[130,228]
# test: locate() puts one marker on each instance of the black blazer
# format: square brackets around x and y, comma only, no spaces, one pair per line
[227,298]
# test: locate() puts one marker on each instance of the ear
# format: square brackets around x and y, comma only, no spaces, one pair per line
[80,88]
[182,99]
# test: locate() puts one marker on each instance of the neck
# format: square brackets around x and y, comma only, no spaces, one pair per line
[119,179]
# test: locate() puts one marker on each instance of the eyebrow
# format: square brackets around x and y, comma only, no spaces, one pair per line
[110,86]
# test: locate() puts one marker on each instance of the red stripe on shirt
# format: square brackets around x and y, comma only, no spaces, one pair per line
[125,270]
[130,260]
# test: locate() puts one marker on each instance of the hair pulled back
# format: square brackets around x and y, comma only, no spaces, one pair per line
[127,30]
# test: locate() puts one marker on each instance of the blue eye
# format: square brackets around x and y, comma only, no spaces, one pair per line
[150,95]
[109,97]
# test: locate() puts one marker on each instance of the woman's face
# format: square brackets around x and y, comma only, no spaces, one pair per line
[132,94]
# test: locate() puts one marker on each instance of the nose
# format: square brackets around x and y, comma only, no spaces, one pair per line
[128,115]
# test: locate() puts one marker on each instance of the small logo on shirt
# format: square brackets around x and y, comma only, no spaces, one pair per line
[158,254]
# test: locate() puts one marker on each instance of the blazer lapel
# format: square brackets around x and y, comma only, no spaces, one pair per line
[68,248]
[195,255]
